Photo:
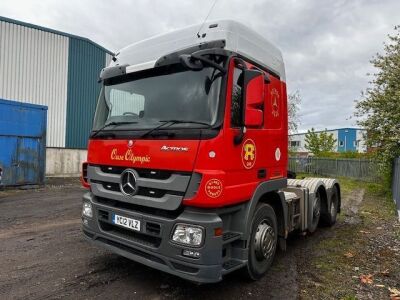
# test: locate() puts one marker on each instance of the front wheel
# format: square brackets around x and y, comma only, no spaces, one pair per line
[263,241]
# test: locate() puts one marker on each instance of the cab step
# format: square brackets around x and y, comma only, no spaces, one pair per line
[232,264]
[230,236]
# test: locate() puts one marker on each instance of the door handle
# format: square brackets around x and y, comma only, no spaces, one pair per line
[261,173]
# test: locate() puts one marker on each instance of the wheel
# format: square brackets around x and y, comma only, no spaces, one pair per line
[329,218]
[316,213]
[263,241]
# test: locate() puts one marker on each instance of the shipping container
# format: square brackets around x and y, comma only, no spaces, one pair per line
[22,143]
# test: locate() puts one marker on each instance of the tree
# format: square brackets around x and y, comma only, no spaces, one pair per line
[294,101]
[319,144]
[379,106]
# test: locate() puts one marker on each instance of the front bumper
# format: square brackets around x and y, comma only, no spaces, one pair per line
[152,246]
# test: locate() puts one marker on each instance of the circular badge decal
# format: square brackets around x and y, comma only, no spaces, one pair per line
[213,188]
[278,154]
[249,154]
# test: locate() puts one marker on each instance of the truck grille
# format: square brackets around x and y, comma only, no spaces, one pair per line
[168,214]
[145,173]
[155,188]
[133,236]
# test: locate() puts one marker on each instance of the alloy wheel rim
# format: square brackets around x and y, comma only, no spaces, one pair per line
[264,241]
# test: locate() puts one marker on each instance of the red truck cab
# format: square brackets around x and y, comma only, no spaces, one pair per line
[187,160]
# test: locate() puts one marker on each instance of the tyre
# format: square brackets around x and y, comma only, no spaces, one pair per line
[329,218]
[316,213]
[263,241]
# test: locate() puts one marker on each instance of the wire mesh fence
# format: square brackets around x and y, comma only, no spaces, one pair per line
[362,169]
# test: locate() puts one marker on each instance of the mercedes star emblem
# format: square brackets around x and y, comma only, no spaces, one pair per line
[127,184]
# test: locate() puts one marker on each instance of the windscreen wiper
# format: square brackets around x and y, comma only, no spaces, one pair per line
[110,124]
[170,123]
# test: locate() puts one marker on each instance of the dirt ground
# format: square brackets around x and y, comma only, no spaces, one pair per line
[43,255]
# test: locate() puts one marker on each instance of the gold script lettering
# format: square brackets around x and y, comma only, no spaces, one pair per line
[129,156]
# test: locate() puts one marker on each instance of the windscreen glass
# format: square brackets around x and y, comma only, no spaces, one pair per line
[172,93]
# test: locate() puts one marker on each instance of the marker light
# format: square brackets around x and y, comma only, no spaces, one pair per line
[188,234]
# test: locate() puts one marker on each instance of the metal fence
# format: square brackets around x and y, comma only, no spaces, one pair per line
[396,184]
[362,169]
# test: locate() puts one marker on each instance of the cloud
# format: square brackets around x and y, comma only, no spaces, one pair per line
[327,45]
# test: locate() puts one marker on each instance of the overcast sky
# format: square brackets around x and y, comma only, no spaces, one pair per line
[327,45]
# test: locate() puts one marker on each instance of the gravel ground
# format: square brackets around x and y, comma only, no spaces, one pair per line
[43,255]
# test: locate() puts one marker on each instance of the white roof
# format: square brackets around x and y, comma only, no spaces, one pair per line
[238,38]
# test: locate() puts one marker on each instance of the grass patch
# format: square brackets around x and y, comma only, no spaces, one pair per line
[350,250]
[378,190]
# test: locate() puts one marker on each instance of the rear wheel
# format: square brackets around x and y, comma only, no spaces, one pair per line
[316,213]
[263,241]
[330,217]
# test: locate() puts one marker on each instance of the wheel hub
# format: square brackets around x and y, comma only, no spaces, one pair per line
[264,241]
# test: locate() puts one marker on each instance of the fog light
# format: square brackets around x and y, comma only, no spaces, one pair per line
[191,253]
[188,234]
[87,209]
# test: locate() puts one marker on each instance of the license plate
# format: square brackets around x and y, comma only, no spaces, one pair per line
[126,222]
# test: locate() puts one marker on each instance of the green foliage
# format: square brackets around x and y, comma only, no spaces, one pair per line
[319,144]
[379,106]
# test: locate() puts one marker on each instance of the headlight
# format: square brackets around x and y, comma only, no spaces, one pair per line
[87,209]
[188,234]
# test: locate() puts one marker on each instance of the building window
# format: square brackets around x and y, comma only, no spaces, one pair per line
[294,144]
[341,144]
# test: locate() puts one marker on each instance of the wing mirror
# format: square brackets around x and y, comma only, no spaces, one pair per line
[254,98]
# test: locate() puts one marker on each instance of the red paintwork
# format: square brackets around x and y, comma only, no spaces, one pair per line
[227,167]
[101,152]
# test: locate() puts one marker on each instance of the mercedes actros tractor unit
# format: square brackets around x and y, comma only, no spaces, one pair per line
[187,160]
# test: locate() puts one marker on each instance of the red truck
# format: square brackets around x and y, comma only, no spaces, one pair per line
[188,157]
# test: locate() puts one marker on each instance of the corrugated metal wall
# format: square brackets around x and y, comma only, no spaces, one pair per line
[34,69]
[84,66]
[122,101]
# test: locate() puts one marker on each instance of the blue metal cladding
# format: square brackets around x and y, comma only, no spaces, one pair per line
[85,62]
[347,138]
[22,142]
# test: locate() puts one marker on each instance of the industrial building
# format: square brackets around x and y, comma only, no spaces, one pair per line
[347,139]
[59,71]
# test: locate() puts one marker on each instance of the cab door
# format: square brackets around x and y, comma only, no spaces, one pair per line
[246,164]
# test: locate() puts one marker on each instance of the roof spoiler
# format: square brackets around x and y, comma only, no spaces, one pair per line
[167,59]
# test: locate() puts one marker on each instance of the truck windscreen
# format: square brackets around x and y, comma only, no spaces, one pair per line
[144,99]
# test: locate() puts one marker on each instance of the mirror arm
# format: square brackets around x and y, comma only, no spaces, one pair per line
[208,62]
[238,139]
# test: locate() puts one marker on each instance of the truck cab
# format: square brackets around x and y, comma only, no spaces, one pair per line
[187,159]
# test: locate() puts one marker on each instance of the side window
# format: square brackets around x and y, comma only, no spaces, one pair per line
[237,91]
[123,102]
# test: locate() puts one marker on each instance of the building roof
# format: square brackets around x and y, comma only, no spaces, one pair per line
[319,131]
[29,25]
[238,38]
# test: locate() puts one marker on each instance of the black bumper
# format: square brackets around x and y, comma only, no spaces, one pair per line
[152,245]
